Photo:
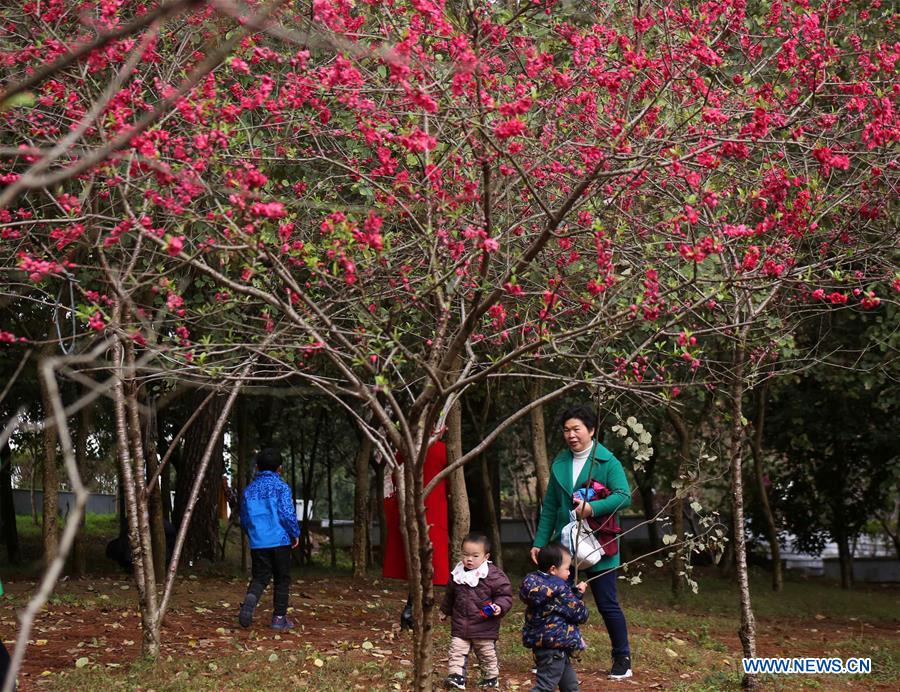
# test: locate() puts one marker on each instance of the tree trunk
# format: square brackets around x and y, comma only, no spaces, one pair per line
[243,470]
[759,472]
[203,532]
[747,631]
[685,435]
[420,570]
[460,518]
[131,484]
[165,478]
[79,554]
[154,495]
[7,508]
[332,548]
[845,558]
[648,501]
[539,442]
[50,519]
[493,527]
[361,506]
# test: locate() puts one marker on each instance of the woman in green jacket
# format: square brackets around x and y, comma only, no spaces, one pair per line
[570,470]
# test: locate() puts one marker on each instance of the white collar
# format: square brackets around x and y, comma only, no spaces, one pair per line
[469,577]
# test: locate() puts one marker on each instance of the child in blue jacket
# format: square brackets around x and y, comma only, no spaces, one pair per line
[269,518]
[554,611]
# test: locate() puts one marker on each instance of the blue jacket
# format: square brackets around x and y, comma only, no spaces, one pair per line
[554,611]
[267,512]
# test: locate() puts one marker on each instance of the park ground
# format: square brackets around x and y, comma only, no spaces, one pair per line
[88,637]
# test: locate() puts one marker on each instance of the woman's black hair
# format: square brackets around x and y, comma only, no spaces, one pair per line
[477,538]
[268,459]
[551,555]
[585,414]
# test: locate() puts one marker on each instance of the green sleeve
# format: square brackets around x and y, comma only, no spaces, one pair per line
[549,510]
[620,491]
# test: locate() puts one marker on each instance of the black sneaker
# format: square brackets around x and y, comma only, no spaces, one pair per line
[455,682]
[621,668]
[489,682]
[245,617]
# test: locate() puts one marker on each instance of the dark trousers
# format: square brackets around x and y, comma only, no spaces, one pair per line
[604,590]
[554,669]
[268,564]
[4,664]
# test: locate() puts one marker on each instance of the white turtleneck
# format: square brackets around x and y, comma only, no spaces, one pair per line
[578,461]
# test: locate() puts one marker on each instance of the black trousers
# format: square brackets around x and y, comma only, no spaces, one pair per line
[271,564]
[554,670]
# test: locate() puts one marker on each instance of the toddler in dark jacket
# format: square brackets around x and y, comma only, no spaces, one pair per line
[478,595]
[554,611]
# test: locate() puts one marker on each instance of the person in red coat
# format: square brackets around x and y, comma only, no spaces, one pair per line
[394,564]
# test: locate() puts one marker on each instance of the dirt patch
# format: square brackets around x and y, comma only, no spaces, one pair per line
[357,622]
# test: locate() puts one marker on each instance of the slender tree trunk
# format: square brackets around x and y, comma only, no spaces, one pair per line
[243,469]
[7,508]
[165,478]
[648,501]
[361,506]
[308,477]
[759,473]
[202,539]
[142,547]
[154,495]
[134,505]
[332,548]
[539,442]
[747,631]
[456,484]
[685,435]
[493,527]
[34,467]
[380,470]
[50,519]
[845,559]
[420,569]
[79,553]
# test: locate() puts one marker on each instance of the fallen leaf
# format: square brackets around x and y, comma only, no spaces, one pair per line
[273,657]
[318,663]
[670,653]
[82,662]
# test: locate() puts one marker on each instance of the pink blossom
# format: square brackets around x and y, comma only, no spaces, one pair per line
[175,245]
[490,245]
[96,322]
[418,141]
[509,128]
[268,210]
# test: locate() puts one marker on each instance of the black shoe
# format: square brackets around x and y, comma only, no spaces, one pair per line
[245,617]
[489,682]
[455,682]
[406,617]
[621,668]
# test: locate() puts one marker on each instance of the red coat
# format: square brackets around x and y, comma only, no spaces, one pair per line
[436,516]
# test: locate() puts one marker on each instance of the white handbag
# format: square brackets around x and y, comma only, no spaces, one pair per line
[580,541]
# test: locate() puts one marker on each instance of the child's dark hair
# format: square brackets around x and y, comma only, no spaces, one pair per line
[477,538]
[551,555]
[583,413]
[268,459]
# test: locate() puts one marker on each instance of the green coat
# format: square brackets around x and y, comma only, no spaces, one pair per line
[558,498]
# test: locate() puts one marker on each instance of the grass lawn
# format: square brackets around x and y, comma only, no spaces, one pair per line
[88,637]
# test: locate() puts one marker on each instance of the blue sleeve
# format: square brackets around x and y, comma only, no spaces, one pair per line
[286,512]
[245,515]
[569,605]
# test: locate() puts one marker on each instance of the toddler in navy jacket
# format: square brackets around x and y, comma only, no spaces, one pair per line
[270,521]
[554,609]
